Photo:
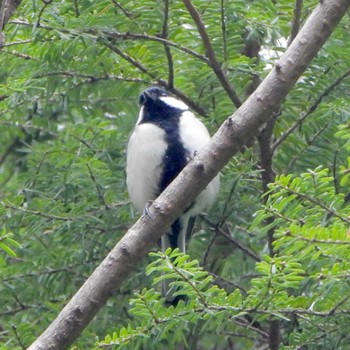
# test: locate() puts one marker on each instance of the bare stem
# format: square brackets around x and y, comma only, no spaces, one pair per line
[214,63]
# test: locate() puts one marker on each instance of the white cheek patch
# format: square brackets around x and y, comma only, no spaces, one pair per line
[173,102]
[139,119]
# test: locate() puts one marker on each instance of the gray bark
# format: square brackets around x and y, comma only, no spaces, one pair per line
[7,8]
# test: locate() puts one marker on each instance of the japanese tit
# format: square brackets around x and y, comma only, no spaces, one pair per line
[165,138]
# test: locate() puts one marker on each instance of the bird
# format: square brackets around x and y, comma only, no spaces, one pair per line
[167,135]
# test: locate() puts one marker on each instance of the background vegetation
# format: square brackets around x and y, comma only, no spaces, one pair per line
[270,265]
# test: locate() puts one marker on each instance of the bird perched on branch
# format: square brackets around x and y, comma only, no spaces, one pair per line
[164,140]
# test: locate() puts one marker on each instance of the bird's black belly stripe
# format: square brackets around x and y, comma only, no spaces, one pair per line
[175,157]
[174,161]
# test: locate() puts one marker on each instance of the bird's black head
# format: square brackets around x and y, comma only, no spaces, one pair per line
[160,108]
[151,94]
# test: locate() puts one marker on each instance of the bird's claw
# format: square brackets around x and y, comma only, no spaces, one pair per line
[146,211]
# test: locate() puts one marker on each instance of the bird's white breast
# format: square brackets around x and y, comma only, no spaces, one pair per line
[145,153]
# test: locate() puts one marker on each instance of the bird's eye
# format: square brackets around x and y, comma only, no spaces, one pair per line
[142,99]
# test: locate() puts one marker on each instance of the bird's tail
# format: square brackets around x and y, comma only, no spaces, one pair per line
[179,235]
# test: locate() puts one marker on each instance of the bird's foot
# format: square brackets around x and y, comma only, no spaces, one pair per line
[146,211]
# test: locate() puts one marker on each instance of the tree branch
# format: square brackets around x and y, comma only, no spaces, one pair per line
[193,105]
[267,176]
[309,143]
[298,6]
[228,236]
[318,203]
[166,47]
[311,109]
[18,54]
[41,11]
[118,35]
[37,213]
[214,63]
[7,8]
[316,240]
[236,131]
[223,29]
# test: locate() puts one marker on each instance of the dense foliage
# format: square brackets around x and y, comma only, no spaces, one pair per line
[70,75]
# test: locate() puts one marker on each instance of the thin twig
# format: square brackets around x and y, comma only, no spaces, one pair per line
[136,36]
[41,11]
[37,213]
[76,8]
[168,54]
[223,28]
[48,271]
[13,312]
[19,54]
[267,173]
[229,237]
[309,143]
[188,280]
[214,63]
[311,109]
[10,149]
[220,281]
[248,325]
[197,108]
[117,35]
[334,173]
[92,78]
[298,6]
[28,126]
[15,43]
[267,176]
[316,202]
[227,209]
[19,340]
[126,12]
[98,188]
[207,251]
[315,240]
